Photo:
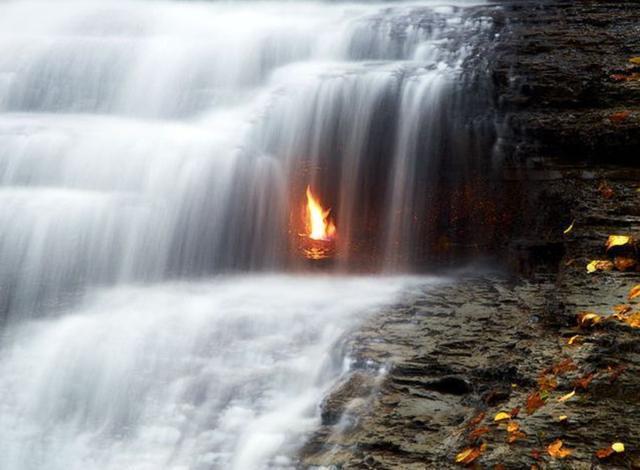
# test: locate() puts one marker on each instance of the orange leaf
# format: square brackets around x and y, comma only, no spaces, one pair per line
[584,381]
[469,455]
[634,292]
[477,433]
[547,382]
[534,401]
[633,320]
[619,117]
[604,453]
[557,451]
[564,366]
[623,263]
[514,412]
[600,265]
[512,426]
[605,190]
[622,309]
[514,436]
[476,420]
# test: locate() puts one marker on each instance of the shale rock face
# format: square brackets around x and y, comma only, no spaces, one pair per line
[426,369]
[561,75]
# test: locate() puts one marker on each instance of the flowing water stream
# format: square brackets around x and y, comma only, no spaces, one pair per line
[153,159]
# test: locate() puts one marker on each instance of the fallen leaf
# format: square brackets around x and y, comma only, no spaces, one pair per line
[478,433]
[604,453]
[502,416]
[600,265]
[624,263]
[566,397]
[634,292]
[557,451]
[622,309]
[562,418]
[587,319]
[615,372]
[514,412]
[633,320]
[563,366]
[619,117]
[470,454]
[569,228]
[476,420]
[618,240]
[605,190]
[462,456]
[535,453]
[635,60]
[618,447]
[514,436]
[534,401]
[573,340]
[512,426]
[547,382]
[584,381]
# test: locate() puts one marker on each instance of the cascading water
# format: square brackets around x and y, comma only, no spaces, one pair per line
[145,146]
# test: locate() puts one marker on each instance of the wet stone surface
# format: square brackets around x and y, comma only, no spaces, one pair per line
[480,343]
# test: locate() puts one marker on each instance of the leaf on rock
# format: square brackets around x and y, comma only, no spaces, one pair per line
[604,453]
[514,436]
[514,412]
[618,447]
[534,401]
[624,263]
[618,240]
[622,309]
[600,265]
[634,292]
[568,230]
[633,320]
[475,434]
[502,416]
[512,426]
[557,450]
[619,117]
[635,60]
[562,418]
[470,454]
[584,381]
[574,340]
[605,190]
[566,397]
[476,420]
[563,366]
[547,382]
[587,319]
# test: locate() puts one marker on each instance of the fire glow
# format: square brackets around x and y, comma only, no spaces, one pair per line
[318,224]
[318,239]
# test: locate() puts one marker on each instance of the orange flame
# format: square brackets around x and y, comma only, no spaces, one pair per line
[319,225]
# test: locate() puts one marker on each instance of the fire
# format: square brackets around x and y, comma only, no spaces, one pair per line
[318,224]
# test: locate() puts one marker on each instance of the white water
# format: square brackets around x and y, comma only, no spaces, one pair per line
[217,374]
[146,146]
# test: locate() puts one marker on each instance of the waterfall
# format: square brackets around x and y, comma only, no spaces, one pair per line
[147,147]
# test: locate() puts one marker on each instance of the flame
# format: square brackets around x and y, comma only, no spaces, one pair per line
[319,226]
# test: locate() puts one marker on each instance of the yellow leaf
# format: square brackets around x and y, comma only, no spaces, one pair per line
[618,447]
[634,292]
[617,240]
[573,340]
[586,319]
[562,418]
[568,396]
[599,265]
[502,416]
[463,455]
[635,60]
[569,228]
